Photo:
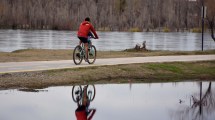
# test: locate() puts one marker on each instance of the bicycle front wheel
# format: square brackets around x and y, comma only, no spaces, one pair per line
[77,56]
[92,54]
[91,92]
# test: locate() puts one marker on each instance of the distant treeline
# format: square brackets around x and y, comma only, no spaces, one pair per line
[119,15]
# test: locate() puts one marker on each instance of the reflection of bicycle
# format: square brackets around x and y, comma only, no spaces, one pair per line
[79,53]
[78,92]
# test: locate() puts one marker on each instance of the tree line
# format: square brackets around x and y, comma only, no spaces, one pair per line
[120,15]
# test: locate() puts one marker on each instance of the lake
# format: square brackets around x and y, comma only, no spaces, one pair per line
[11,40]
[143,101]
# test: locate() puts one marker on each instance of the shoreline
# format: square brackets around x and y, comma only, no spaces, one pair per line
[137,73]
[25,55]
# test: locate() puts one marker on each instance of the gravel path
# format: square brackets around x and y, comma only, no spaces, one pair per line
[10,67]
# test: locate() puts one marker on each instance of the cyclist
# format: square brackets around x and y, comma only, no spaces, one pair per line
[84,29]
[82,112]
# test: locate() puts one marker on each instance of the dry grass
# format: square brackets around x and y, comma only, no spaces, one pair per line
[47,55]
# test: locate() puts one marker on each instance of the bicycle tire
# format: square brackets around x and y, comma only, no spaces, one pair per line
[93,90]
[77,57]
[92,54]
[78,87]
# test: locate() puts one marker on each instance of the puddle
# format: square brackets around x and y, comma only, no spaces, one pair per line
[154,101]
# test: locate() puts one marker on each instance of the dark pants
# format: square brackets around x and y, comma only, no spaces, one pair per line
[83,39]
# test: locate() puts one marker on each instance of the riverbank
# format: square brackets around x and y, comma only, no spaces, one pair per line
[48,55]
[148,72]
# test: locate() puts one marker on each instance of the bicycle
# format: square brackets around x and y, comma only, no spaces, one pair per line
[79,53]
[78,92]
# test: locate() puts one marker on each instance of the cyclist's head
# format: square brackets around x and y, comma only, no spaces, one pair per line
[87,19]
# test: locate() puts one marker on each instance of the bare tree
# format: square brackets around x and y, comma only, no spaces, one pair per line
[211,16]
[113,14]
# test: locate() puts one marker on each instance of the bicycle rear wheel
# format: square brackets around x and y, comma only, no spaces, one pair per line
[92,54]
[77,56]
[76,93]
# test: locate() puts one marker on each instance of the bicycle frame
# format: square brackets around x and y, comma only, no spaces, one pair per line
[83,51]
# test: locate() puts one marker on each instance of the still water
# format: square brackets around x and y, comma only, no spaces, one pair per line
[148,101]
[11,40]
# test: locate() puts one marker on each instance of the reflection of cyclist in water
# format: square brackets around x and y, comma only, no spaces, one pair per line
[82,112]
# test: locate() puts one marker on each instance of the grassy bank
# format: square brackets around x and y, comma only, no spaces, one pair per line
[44,54]
[150,72]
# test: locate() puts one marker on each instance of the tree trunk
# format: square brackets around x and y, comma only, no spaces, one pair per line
[211,25]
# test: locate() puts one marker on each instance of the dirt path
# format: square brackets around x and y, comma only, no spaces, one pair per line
[11,67]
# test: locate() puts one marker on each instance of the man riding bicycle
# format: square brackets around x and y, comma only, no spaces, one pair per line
[84,29]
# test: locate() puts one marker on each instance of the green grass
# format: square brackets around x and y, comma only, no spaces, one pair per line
[149,72]
[165,67]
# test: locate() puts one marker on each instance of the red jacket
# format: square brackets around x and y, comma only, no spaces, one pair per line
[81,115]
[85,28]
